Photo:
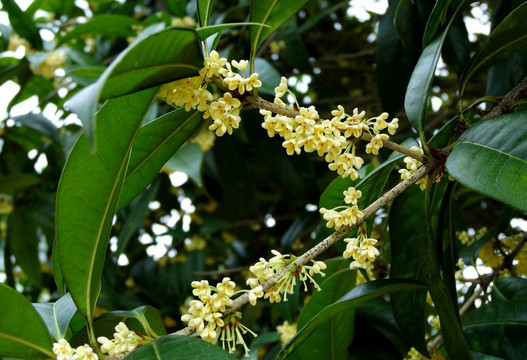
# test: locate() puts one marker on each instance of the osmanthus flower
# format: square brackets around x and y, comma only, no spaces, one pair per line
[231,333]
[362,249]
[64,351]
[287,331]
[285,282]
[123,341]
[206,315]
[411,167]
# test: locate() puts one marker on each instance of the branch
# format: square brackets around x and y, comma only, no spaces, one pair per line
[326,243]
[517,93]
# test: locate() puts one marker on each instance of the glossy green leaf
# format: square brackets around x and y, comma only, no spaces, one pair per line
[273,13]
[508,37]
[395,62]
[57,271]
[269,76]
[22,235]
[181,348]
[204,11]
[498,329]
[88,193]
[407,230]
[22,23]
[22,331]
[118,25]
[330,340]
[147,316]
[39,123]
[510,288]
[356,296]
[491,158]
[453,339]
[151,60]
[210,30]
[416,98]
[189,160]
[436,18]
[57,315]
[155,143]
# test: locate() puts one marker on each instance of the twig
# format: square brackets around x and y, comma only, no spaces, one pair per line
[517,93]
[326,243]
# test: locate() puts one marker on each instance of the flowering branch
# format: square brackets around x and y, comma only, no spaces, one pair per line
[326,243]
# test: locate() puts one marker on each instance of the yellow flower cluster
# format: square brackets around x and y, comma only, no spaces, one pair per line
[54,61]
[192,92]
[206,314]
[123,341]
[64,351]
[286,282]
[411,167]
[287,331]
[362,249]
[334,139]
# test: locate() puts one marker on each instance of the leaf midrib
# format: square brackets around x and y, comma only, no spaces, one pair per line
[27,343]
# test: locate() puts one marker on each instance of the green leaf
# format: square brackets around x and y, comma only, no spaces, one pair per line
[498,329]
[269,76]
[510,288]
[273,13]
[22,23]
[491,158]
[189,160]
[118,25]
[147,316]
[453,339]
[24,243]
[406,232]
[416,98]
[39,123]
[88,193]
[181,348]
[204,11]
[436,18]
[57,271]
[155,143]
[330,340]
[353,298]
[15,182]
[135,218]
[151,60]
[508,37]
[22,331]
[395,62]
[57,315]
[210,30]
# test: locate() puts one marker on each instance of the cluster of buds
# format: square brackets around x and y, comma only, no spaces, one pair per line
[192,93]
[286,281]
[64,351]
[206,314]
[124,340]
[362,249]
